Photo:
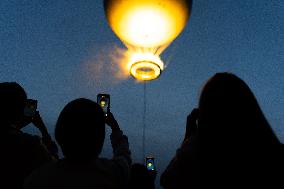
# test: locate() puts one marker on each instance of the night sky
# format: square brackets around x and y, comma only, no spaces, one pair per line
[62,50]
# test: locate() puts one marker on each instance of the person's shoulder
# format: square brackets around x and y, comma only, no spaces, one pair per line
[107,165]
[46,167]
[33,141]
[112,166]
[114,170]
[24,137]
[103,163]
[20,138]
[40,174]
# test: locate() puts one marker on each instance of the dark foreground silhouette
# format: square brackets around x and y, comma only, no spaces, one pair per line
[20,152]
[228,142]
[80,132]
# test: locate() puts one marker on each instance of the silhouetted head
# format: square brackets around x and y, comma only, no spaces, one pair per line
[229,113]
[12,102]
[80,130]
[234,136]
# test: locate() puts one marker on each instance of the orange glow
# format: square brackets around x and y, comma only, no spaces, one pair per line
[145,66]
[135,57]
[147,23]
[147,27]
[142,66]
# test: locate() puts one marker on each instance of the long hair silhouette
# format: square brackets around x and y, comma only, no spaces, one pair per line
[229,109]
[234,135]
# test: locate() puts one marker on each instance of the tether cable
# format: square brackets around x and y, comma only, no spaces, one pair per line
[144,123]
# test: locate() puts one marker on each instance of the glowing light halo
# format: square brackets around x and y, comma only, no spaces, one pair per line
[145,66]
[140,56]
[147,28]
[145,70]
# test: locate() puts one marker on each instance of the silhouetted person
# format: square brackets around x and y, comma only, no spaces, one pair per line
[141,177]
[80,132]
[233,146]
[21,153]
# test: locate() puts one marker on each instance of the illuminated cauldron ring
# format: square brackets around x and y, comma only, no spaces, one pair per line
[145,70]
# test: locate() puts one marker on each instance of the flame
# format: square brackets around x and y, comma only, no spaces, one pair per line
[142,66]
[135,57]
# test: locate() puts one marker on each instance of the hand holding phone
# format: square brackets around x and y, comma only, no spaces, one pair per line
[110,120]
[104,101]
[150,164]
[38,122]
[30,108]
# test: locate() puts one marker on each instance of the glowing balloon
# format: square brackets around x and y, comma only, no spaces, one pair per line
[147,27]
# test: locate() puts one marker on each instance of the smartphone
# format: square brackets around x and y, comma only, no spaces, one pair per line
[104,101]
[150,164]
[30,108]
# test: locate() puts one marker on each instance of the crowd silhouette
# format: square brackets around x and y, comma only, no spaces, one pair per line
[21,153]
[228,143]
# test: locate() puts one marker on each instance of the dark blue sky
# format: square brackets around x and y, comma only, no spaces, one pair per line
[61,50]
